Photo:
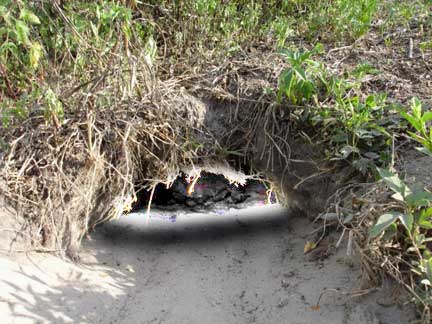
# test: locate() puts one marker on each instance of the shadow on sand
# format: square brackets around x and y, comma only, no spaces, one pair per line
[123,258]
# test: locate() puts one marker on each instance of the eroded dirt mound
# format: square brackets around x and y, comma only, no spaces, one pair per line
[65,178]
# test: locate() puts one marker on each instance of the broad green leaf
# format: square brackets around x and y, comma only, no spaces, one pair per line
[370,101]
[308,89]
[383,222]
[425,224]
[407,220]
[394,182]
[411,119]
[427,116]
[426,212]
[419,199]
[29,16]
[318,49]
[301,74]
[22,32]
[9,46]
[287,79]
[424,219]
[390,232]
[416,107]
[35,54]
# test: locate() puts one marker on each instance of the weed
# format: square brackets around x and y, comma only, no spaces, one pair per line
[20,52]
[354,123]
[414,214]
[420,121]
[298,82]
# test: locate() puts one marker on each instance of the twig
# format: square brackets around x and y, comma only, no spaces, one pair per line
[149,205]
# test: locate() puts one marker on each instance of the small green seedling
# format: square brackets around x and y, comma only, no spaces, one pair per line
[419,121]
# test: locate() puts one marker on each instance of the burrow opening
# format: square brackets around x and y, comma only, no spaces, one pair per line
[204,193]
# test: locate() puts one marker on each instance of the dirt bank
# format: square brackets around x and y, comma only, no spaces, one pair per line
[243,267]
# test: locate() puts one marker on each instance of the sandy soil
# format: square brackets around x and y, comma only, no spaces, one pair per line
[240,267]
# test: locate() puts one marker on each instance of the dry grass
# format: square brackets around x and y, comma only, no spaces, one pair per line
[66,177]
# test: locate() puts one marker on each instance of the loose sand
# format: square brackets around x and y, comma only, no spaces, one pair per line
[245,266]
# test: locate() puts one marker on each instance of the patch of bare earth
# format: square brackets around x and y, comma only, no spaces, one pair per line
[405,70]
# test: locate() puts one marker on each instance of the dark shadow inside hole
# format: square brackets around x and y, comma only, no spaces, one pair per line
[210,190]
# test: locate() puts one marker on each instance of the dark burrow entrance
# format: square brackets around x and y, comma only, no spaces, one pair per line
[208,192]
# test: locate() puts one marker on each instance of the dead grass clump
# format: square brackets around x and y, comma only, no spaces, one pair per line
[65,177]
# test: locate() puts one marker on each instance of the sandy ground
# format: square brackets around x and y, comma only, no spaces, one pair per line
[240,267]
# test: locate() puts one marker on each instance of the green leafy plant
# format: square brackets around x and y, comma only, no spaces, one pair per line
[355,124]
[282,28]
[364,130]
[415,203]
[420,121]
[20,51]
[299,81]
[352,122]
[414,216]
[426,45]
[355,16]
